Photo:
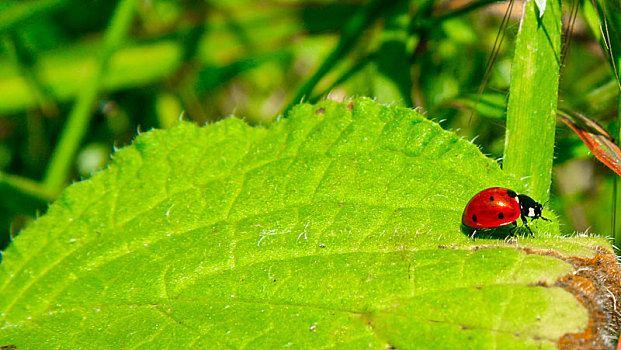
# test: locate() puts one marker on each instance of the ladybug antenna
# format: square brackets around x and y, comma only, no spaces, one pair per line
[544,205]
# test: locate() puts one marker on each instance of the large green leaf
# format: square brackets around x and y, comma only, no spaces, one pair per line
[336,226]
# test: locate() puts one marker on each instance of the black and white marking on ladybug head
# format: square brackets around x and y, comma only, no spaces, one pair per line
[531,212]
[529,207]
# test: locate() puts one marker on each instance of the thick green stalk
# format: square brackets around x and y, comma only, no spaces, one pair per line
[533,96]
[78,120]
[616,233]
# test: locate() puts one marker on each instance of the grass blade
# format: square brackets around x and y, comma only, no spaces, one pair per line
[77,122]
[531,112]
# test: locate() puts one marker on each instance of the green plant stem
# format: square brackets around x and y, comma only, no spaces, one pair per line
[424,22]
[26,186]
[617,233]
[354,28]
[17,12]
[533,97]
[614,232]
[78,120]
[615,59]
[24,61]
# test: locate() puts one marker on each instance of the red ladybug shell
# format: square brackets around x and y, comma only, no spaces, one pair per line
[492,207]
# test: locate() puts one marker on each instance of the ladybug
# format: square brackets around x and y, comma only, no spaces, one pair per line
[497,207]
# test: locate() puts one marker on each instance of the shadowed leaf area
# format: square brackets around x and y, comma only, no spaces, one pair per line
[338,226]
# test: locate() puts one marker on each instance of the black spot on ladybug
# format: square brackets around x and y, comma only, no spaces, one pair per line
[501,215]
[511,194]
[474,218]
[320,111]
[491,198]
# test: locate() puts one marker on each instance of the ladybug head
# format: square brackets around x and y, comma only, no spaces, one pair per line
[529,207]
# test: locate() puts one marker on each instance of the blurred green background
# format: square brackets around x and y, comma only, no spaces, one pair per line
[97,72]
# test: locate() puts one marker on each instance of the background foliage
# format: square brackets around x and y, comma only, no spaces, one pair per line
[103,70]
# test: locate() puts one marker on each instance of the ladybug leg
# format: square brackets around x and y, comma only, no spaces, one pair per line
[526,224]
[511,238]
[473,235]
[513,229]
